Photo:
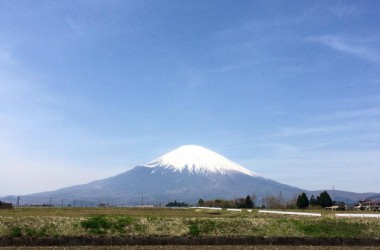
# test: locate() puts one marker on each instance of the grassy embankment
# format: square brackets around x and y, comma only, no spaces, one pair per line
[75,222]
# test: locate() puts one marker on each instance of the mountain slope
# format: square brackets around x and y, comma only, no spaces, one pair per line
[187,174]
[161,186]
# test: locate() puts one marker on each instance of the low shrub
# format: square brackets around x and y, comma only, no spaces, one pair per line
[34,232]
[121,223]
[102,224]
[16,232]
[96,224]
[194,229]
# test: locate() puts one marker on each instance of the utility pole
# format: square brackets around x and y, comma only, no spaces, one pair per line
[18,201]
[334,192]
[369,205]
[142,199]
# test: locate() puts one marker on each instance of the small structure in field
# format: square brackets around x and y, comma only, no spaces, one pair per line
[338,206]
[4,205]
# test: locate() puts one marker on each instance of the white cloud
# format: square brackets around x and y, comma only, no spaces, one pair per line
[300,131]
[280,148]
[357,48]
[342,10]
[370,112]
[328,129]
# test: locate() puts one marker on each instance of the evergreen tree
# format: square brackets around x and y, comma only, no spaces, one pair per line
[299,200]
[313,201]
[176,204]
[318,201]
[201,203]
[302,201]
[305,200]
[325,200]
[248,202]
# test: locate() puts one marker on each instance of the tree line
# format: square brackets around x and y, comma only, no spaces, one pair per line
[247,202]
[272,202]
[324,200]
[176,204]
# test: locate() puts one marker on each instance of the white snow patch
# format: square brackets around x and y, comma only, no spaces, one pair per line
[197,160]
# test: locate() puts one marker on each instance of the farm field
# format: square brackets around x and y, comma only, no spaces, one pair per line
[149,211]
[157,223]
[115,211]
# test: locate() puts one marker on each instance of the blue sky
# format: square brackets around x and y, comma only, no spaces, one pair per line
[288,89]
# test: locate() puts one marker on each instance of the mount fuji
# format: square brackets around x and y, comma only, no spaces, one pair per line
[186,174]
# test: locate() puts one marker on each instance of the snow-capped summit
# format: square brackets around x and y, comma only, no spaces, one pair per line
[197,160]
